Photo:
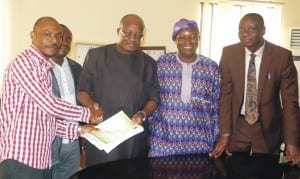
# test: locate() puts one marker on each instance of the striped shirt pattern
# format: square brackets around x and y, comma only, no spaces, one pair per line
[29,109]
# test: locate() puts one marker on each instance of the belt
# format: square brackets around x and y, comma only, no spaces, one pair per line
[67,141]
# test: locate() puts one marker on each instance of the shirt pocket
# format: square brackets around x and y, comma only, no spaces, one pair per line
[201,107]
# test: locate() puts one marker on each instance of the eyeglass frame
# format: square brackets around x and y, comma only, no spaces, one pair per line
[128,35]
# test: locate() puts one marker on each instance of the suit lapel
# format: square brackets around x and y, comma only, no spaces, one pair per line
[74,71]
[264,69]
[240,69]
[55,87]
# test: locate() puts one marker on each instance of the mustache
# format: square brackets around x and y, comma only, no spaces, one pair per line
[64,46]
[53,46]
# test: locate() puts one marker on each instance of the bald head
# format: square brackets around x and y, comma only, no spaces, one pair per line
[132,19]
[47,36]
[255,18]
[43,20]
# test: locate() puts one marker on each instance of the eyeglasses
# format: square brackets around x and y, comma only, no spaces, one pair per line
[128,35]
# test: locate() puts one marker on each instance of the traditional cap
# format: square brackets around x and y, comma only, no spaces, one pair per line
[183,24]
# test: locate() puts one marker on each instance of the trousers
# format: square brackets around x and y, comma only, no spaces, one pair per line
[65,158]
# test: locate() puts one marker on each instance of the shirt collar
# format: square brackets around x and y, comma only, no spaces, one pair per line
[65,62]
[42,59]
[258,52]
[181,62]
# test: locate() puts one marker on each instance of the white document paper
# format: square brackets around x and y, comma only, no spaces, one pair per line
[113,131]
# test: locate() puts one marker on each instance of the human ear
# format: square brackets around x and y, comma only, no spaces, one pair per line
[33,35]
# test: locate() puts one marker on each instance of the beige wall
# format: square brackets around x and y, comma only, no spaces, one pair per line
[95,21]
[291,19]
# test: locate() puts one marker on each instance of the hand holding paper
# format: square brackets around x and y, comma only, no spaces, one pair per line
[87,128]
[96,113]
[113,131]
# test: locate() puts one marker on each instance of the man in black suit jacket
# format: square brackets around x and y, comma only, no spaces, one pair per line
[65,152]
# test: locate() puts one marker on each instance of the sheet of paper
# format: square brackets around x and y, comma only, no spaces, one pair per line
[113,131]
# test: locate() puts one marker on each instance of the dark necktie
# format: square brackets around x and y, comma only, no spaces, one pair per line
[251,111]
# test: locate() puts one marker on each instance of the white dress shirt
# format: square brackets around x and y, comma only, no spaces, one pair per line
[186,88]
[65,82]
[257,61]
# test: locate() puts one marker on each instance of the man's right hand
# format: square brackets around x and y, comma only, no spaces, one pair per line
[96,113]
[87,128]
[220,147]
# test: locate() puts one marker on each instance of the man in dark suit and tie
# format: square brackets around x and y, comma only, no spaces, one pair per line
[259,97]
[65,152]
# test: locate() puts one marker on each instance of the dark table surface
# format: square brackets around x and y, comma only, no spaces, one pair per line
[188,166]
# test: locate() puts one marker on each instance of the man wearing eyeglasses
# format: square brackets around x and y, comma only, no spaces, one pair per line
[121,77]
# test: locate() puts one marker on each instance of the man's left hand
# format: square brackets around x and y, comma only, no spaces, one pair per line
[293,154]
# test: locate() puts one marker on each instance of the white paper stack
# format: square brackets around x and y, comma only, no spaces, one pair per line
[113,131]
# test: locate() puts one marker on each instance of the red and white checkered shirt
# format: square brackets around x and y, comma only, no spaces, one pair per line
[29,109]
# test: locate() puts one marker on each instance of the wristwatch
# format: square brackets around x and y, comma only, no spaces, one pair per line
[145,115]
[78,130]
